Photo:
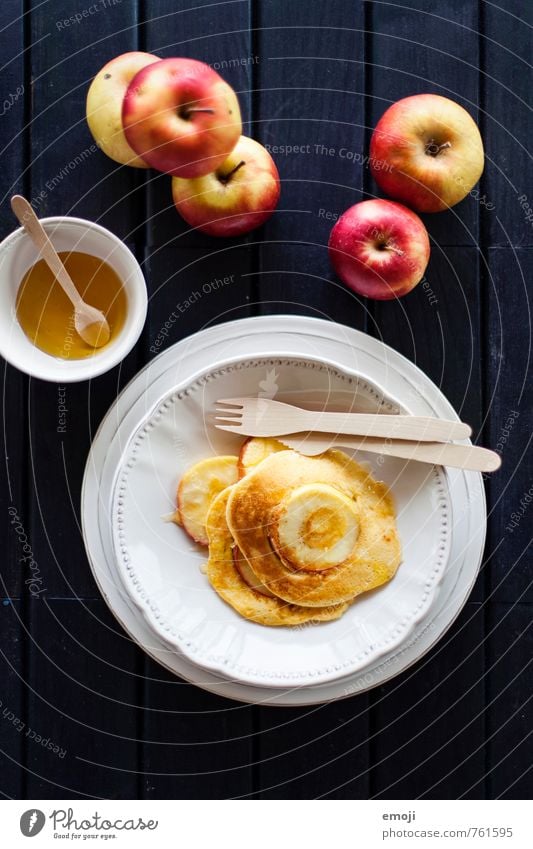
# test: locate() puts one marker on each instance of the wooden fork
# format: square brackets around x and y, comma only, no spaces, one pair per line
[263,417]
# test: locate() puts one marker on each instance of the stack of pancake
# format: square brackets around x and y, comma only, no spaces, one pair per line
[292,539]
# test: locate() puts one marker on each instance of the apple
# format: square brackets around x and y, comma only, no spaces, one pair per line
[379,248]
[239,196]
[426,151]
[181,117]
[104,106]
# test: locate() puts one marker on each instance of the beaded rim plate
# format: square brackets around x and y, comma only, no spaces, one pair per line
[297,334]
[160,566]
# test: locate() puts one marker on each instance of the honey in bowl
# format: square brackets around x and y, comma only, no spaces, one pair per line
[46,315]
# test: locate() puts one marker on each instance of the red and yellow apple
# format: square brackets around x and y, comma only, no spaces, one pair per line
[426,151]
[181,117]
[235,198]
[380,249]
[104,106]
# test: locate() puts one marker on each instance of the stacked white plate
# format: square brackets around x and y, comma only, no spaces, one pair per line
[150,572]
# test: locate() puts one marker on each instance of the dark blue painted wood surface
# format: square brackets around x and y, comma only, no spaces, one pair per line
[317,76]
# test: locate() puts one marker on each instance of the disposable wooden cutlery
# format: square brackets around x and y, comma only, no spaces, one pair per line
[263,417]
[468,457]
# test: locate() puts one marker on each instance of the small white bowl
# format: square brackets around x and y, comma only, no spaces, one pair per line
[17,254]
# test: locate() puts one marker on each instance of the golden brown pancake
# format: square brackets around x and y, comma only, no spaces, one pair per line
[316,530]
[231,586]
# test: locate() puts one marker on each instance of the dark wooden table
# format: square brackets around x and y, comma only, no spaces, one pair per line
[315,74]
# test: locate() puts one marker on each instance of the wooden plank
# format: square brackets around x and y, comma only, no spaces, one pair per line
[506,84]
[297,279]
[61,429]
[428,727]
[13,491]
[194,745]
[177,267]
[83,703]
[191,289]
[12,702]
[416,48]
[14,97]
[309,110]
[507,81]
[63,420]
[220,37]
[314,752]
[509,703]
[69,175]
[437,326]
[508,391]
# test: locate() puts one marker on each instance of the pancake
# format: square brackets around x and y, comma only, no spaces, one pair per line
[228,582]
[245,571]
[317,531]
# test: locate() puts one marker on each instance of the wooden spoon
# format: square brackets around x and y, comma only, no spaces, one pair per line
[89,322]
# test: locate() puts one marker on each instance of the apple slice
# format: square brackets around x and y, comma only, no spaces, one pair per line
[315,527]
[254,450]
[248,575]
[197,490]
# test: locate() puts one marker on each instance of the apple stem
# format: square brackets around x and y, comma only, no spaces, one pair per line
[433,149]
[384,244]
[226,177]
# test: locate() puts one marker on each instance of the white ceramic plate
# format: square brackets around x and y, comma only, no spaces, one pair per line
[160,566]
[253,337]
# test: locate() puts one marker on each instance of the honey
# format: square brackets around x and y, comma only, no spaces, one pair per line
[46,315]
